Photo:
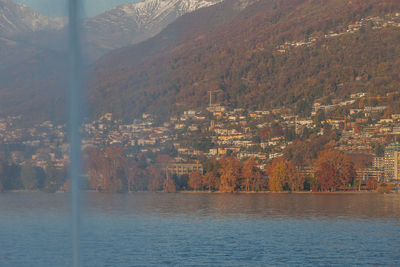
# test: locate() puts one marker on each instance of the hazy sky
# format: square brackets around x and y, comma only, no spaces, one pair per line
[57,8]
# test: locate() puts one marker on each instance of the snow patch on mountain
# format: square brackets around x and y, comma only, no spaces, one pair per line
[135,22]
[17,19]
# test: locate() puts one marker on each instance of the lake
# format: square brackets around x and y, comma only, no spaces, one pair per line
[156,229]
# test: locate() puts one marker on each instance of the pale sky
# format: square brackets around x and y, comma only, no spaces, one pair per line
[57,8]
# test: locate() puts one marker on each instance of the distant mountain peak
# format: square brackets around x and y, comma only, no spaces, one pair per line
[135,22]
[17,19]
[182,6]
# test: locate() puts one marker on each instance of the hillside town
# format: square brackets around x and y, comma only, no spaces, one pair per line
[375,23]
[362,125]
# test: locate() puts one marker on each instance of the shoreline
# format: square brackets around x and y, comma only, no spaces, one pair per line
[283,192]
[212,192]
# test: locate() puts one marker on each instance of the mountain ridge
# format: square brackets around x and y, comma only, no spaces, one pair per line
[240,59]
[18,19]
[133,23]
[21,54]
[231,46]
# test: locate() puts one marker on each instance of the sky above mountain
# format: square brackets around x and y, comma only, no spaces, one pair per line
[58,8]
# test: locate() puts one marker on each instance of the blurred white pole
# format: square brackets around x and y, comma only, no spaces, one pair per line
[75,85]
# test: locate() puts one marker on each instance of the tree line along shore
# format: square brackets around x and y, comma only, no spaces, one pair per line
[109,170]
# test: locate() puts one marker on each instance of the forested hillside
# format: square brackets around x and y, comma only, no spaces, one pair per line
[240,53]
[33,77]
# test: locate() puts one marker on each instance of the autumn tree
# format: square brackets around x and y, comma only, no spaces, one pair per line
[295,180]
[108,170]
[211,165]
[230,174]
[298,152]
[195,180]
[388,112]
[361,103]
[117,174]
[211,180]
[357,128]
[155,178]
[372,184]
[275,130]
[333,169]
[169,185]
[95,163]
[252,177]
[163,160]
[277,174]
[302,152]
[282,174]
[136,176]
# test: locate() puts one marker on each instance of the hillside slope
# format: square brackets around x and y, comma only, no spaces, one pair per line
[242,57]
[32,59]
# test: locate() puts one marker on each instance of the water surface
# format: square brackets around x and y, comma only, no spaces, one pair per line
[149,229]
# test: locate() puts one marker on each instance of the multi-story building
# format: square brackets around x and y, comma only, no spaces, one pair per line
[392,162]
[378,169]
[184,168]
[378,163]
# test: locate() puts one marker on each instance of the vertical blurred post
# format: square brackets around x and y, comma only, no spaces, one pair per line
[75,85]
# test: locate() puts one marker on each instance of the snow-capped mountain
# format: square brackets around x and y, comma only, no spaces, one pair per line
[19,27]
[18,19]
[122,26]
[135,22]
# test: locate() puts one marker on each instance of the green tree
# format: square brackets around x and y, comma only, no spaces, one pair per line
[32,177]
[3,166]
[379,149]
[55,178]
[319,118]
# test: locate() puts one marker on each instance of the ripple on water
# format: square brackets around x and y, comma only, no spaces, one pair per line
[203,230]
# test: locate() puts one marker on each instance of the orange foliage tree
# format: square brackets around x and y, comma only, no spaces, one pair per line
[195,180]
[107,169]
[210,181]
[295,180]
[372,184]
[252,177]
[230,174]
[333,169]
[155,179]
[282,174]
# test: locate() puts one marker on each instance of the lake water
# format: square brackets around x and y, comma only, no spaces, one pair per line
[148,229]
